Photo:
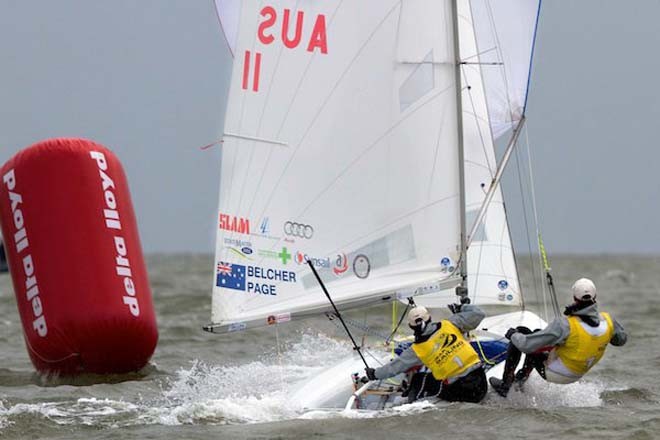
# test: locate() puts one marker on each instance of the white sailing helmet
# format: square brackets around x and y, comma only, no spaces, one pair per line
[417,313]
[584,290]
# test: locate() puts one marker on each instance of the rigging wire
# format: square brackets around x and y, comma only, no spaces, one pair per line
[535,282]
[411,303]
[356,347]
[542,253]
[365,328]
[535,212]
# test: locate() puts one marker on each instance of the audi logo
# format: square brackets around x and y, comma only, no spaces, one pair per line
[298,230]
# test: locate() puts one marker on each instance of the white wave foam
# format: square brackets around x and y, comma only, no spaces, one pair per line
[214,394]
[4,417]
[538,393]
[401,410]
[84,411]
[254,392]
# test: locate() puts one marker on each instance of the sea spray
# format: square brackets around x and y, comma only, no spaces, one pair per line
[253,392]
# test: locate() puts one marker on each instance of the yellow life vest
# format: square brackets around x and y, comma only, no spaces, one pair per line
[584,346]
[446,353]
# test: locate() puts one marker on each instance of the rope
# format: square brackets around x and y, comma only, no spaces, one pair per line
[411,303]
[549,280]
[421,388]
[483,355]
[542,299]
[494,360]
[543,255]
[543,261]
[350,322]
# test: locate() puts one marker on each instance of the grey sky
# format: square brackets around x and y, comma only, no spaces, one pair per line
[148,79]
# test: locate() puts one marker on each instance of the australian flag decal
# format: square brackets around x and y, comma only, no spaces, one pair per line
[231,276]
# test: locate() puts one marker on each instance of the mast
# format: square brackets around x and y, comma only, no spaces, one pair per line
[461,163]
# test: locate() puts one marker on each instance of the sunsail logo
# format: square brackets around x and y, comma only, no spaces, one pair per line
[302,258]
[234,224]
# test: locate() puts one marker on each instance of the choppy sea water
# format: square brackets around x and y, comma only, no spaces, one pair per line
[200,385]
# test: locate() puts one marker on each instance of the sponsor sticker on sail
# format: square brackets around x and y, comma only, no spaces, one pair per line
[341,264]
[278,319]
[233,223]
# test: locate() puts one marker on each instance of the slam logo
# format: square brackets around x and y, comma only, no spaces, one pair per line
[234,224]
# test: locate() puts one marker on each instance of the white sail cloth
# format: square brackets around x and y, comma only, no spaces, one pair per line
[341,148]
[505,31]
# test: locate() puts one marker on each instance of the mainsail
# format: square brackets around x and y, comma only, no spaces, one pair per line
[341,147]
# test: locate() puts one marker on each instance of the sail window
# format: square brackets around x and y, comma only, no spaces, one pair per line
[480,233]
[394,248]
[418,84]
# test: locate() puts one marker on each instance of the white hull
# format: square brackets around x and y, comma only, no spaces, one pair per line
[334,387]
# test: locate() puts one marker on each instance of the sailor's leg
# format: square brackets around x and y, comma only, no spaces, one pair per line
[528,366]
[533,361]
[423,385]
[539,361]
[513,355]
[470,388]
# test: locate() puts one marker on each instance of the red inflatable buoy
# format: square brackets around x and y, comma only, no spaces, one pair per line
[75,259]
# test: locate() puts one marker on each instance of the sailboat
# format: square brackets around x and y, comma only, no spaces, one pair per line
[359,138]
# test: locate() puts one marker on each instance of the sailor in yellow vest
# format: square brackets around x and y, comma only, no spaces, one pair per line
[567,348]
[454,372]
